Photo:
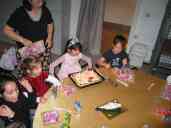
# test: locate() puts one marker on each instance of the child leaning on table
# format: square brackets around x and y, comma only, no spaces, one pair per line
[116,57]
[32,68]
[17,98]
[70,60]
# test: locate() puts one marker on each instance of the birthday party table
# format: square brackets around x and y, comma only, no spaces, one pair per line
[139,100]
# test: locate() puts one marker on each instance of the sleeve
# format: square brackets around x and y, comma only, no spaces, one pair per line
[45,74]
[31,100]
[87,59]
[124,55]
[56,63]
[14,19]
[106,55]
[49,18]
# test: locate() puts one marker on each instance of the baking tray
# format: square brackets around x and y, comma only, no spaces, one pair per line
[101,78]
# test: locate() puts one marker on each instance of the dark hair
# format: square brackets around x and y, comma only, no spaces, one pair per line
[4,78]
[70,45]
[27,5]
[119,39]
[28,64]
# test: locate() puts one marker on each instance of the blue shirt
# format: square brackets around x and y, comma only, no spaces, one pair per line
[115,59]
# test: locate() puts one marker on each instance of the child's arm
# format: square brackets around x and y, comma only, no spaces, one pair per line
[125,61]
[56,63]
[103,63]
[88,60]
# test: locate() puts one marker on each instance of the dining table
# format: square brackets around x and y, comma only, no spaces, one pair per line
[140,100]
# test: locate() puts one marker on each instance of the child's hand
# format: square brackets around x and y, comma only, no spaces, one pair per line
[107,66]
[43,99]
[116,71]
[5,111]
[25,83]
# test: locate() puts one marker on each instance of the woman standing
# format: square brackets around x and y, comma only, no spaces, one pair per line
[30,23]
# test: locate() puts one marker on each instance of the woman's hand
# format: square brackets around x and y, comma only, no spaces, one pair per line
[25,83]
[26,42]
[49,43]
[5,111]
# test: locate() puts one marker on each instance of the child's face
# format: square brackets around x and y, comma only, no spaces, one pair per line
[36,70]
[117,48]
[75,52]
[11,92]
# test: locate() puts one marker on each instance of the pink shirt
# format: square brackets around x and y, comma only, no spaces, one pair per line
[70,64]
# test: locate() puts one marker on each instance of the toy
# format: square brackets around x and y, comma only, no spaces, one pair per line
[125,74]
[50,117]
[67,90]
[77,106]
[67,120]
[167,91]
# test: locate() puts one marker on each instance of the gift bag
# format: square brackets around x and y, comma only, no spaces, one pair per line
[35,49]
[8,60]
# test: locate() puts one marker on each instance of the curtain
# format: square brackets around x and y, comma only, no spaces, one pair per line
[89,30]
[60,10]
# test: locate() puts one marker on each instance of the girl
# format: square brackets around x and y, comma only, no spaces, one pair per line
[15,102]
[70,60]
[115,57]
[33,72]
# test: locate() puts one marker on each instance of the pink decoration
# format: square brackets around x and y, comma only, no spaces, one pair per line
[34,50]
[50,117]
[125,75]
[167,93]
[67,90]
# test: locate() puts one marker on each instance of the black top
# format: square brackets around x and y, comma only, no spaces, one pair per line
[21,109]
[115,59]
[26,27]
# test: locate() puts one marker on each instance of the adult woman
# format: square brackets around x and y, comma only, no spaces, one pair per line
[30,23]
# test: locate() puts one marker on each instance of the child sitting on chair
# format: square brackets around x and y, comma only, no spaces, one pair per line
[17,99]
[116,57]
[70,60]
[33,72]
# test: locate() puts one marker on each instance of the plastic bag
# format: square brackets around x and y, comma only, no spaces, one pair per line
[8,60]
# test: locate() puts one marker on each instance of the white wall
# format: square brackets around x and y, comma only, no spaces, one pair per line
[74,16]
[5,10]
[120,11]
[146,24]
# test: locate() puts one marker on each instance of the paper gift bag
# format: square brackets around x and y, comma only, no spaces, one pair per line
[35,49]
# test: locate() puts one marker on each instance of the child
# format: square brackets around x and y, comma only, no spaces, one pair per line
[16,103]
[33,72]
[115,57]
[70,60]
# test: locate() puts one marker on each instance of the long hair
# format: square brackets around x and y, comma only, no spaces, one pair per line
[4,78]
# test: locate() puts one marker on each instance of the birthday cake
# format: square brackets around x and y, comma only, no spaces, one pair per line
[86,78]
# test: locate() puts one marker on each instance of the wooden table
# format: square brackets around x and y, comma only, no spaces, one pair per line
[138,101]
